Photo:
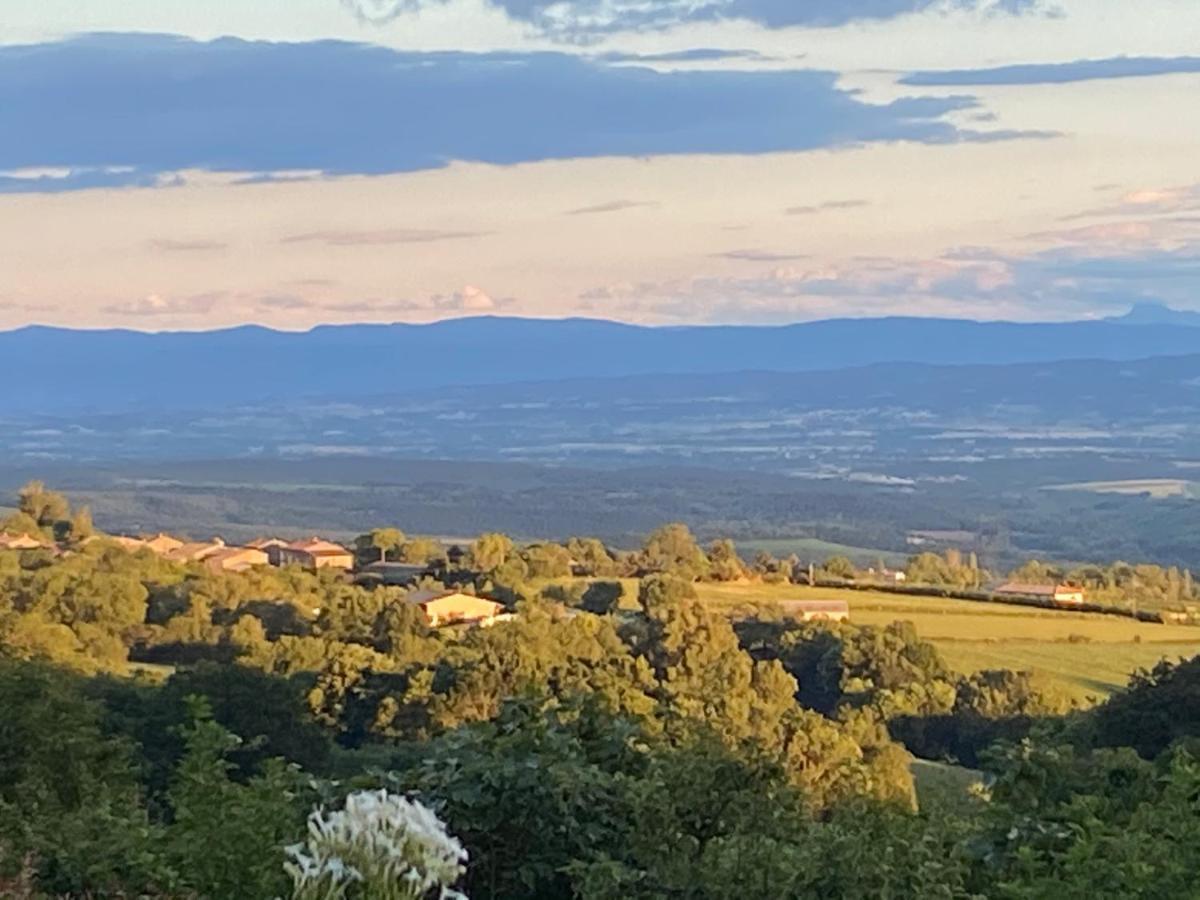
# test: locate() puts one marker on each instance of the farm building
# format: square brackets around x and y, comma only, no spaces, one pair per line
[1057,593]
[817,610]
[455,608]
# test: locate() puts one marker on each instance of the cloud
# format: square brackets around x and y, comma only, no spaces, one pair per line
[168,245]
[825,207]
[157,305]
[760,256]
[696,54]
[153,105]
[1147,201]
[1061,281]
[582,20]
[56,179]
[613,206]
[289,302]
[380,237]
[370,307]
[470,299]
[1057,73]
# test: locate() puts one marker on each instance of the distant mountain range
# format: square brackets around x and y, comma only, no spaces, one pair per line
[68,371]
[1158,314]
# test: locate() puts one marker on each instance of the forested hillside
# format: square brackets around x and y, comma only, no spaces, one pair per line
[167,729]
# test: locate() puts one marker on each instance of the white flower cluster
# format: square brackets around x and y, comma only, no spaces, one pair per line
[382,846]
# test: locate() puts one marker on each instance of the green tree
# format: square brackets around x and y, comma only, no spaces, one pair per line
[379,545]
[839,567]
[69,796]
[421,551]
[724,564]
[490,552]
[672,550]
[547,561]
[591,557]
[45,507]
[226,837]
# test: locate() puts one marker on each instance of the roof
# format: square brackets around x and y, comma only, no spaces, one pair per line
[20,541]
[232,552]
[316,545]
[219,558]
[195,551]
[264,543]
[425,597]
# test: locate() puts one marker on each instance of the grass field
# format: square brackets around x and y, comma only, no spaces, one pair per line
[1158,488]
[1087,672]
[1086,654]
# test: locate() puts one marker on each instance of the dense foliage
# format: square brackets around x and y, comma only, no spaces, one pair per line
[166,731]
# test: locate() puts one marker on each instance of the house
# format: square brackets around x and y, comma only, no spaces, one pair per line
[455,608]
[889,576]
[195,552]
[313,553]
[265,544]
[20,542]
[817,610]
[162,544]
[235,559]
[269,546]
[1055,593]
[132,544]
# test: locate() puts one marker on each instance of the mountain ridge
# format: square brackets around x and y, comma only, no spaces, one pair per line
[125,370]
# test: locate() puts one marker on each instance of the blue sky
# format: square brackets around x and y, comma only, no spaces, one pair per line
[168,164]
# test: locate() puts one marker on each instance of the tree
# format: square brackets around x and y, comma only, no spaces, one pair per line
[839,567]
[672,550]
[81,526]
[227,837]
[547,561]
[724,564]
[21,523]
[591,557]
[68,793]
[421,551]
[45,507]
[378,544]
[490,552]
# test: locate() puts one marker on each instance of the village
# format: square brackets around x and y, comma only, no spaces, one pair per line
[428,583]
[440,607]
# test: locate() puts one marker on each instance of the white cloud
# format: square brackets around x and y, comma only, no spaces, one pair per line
[158,305]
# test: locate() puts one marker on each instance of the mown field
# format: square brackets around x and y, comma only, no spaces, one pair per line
[1086,654]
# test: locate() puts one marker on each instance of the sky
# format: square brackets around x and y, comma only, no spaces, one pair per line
[171,164]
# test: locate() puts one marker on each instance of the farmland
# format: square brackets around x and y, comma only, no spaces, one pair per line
[1085,654]
[1156,488]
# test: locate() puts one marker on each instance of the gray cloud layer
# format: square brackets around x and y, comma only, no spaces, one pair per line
[129,109]
[584,19]
[1057,73]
